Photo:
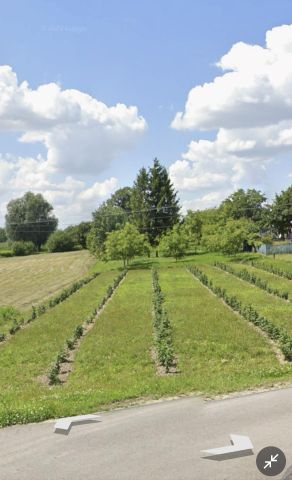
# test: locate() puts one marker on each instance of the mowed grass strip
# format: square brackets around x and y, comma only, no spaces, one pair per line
[27,355]
[275,309]
[283,262]
[274,281]
[29,280]
[114,362]
[217,350]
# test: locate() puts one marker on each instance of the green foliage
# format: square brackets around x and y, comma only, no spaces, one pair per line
[267,239]
[53,374]
[3,235]
[79,233]
[78,332]
[193,224]
[121,199]
[281,213]
[174,243]
[151,205]
[251,278]
[70,343]
[11,320]
[125,244]
[60,242]
[279,334]
[155,207]
[162,327]
[30,218]
[9,314]
[163,202]
[15,327]
[249,204]
[62,356]
[232,237]
[21,248]
[272,269]
[107,218]
[140,201]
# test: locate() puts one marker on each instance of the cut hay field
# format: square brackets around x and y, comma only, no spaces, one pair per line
[25,281]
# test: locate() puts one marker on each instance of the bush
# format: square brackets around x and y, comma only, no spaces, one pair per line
[162,327]
[60,242]
[21,248]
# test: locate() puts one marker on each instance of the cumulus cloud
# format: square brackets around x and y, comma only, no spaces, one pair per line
[250,106]
[73,199]
[81,134]
[254,90]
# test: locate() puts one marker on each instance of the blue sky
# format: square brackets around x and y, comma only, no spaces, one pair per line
[147,54]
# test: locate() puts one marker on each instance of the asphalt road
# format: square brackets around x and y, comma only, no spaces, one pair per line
[160,441]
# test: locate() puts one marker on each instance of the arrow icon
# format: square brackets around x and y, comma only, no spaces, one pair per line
[63,425]
[241,446]
[274,458]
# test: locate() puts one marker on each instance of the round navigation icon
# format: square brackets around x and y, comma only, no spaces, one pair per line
[271,461]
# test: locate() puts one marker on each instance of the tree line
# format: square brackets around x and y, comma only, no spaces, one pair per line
[147,216]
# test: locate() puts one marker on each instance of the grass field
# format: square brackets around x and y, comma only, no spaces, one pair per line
[26,357]
[216,350]
[29,280]
[274,281]
[275,309]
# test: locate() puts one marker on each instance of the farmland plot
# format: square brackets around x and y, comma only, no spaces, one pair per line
[25,359]
[216,348]
[29,280]
[276,309]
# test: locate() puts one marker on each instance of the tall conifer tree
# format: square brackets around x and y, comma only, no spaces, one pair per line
[155,207]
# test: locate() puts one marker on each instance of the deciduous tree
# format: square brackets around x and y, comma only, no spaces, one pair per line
[30,218]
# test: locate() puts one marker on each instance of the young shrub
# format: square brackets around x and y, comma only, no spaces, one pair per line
[14,328]
[62,357]
[60,242]
[78,332]
[53,374]
[21,248]
[162,327]
[70,343]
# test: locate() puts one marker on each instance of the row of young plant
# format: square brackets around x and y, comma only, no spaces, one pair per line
[43,308]
[162,327]
[251,278]
[71,343]
[16,325]
[271,269]
[276,333]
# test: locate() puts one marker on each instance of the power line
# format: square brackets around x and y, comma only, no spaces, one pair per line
[125,214]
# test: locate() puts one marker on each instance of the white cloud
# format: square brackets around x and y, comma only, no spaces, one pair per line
[81,134]
[72,199]
[254,90]
[250,105]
